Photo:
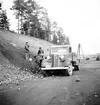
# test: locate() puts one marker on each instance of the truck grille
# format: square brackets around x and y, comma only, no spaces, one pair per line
[55,60]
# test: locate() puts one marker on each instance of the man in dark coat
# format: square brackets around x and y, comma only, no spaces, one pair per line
[40,55]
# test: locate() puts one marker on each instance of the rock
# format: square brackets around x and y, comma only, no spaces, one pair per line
[78,80]
[18,88]
[89,98]
[13,44]
[11,87]
[83,103]
[62,99]
[25,86]
[66,88]
[77,94]
[95,95]
[36,77]
[41,77]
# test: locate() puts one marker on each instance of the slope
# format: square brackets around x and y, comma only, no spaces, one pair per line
[12,55]
[12,47]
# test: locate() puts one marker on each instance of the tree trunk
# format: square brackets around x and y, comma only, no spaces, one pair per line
[18,23]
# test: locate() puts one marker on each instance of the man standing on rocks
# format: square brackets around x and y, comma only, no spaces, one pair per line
[27,54]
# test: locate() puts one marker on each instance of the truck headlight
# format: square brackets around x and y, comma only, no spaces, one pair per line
[62,56]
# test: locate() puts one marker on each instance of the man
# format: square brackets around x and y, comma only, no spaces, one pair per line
[40,54]
[39,51]
[48,54]
[27,51]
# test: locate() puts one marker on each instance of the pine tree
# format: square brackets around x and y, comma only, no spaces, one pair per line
[4,22]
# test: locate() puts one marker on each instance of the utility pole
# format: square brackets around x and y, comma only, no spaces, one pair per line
[79,51]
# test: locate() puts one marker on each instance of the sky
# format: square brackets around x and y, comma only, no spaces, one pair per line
[80,20]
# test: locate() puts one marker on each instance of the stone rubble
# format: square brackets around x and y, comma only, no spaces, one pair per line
[13,74]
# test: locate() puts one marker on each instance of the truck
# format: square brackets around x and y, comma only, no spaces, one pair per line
[98,57]
[59,59]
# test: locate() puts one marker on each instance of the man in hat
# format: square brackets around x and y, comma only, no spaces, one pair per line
[27,54]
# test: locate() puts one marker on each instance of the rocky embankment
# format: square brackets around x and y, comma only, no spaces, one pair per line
[13,74]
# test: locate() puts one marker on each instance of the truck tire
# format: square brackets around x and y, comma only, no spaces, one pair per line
[69,71]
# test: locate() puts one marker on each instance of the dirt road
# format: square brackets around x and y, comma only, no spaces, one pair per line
[83,88]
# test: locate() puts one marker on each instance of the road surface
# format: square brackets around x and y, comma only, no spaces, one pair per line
[83,88]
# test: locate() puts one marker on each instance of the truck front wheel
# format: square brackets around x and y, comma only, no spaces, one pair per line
[69,71]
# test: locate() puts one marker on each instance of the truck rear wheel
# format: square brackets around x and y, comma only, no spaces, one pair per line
[76,68]
[69,71]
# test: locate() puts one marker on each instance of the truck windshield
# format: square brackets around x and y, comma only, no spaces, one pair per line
[59,50]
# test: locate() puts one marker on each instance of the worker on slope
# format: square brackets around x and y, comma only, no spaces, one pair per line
[27,53]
